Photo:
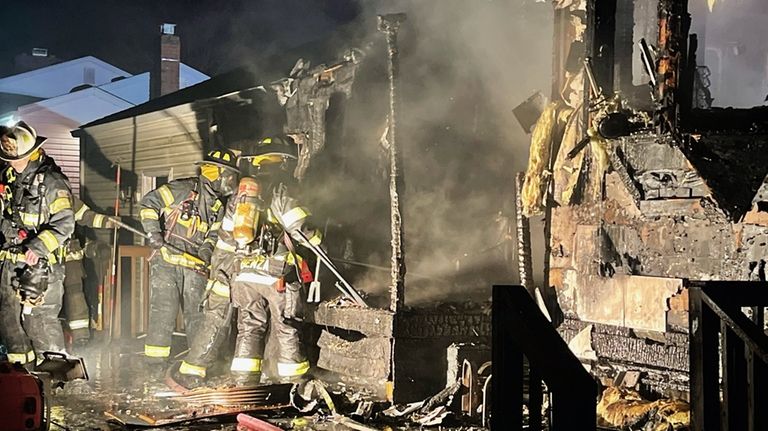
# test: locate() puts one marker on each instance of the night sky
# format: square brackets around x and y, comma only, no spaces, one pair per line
[216,35]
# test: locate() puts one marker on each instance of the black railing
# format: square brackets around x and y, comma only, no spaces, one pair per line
[729,356]
[521,331]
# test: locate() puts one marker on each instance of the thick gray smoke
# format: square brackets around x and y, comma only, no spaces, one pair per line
[465,65]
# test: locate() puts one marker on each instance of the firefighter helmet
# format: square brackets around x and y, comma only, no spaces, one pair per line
[18,141]
[221,157]
[271,150]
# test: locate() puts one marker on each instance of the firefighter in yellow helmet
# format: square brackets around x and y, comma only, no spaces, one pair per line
[257,265]
[182,219]
[37,222]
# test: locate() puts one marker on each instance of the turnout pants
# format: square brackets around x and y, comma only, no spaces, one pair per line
[212,333]
[75,305]
[260,305]
[171,287]
[28,335]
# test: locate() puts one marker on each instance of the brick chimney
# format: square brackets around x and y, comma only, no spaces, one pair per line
[164,78]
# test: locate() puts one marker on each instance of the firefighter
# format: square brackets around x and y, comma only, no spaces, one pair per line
[256,254]
[75,306]
[190,210]
[37,221]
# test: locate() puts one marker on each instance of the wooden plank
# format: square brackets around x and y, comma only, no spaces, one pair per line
[704,329]
[351,366]
[506,369]
[734,380]
[369,347]
[368,321]
[736,293]
[757,396]
[753,337]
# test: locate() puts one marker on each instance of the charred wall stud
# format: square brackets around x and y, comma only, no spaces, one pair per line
[525,266]
[389,25]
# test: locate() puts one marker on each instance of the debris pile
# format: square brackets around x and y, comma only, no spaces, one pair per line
[626,409]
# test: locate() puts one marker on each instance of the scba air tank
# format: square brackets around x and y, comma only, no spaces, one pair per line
[246,212]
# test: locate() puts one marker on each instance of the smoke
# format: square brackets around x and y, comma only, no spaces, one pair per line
[730,45]
[464,66]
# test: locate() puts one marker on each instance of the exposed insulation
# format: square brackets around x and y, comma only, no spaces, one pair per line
[537,175]
[621,407]
[566,171]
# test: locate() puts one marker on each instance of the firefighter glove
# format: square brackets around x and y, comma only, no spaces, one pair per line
[32,282]
[156,240]
[109,224]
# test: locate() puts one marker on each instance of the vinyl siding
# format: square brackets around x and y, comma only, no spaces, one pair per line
[160,142]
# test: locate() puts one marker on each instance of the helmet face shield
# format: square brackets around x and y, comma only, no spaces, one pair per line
[228,181]
[266,165]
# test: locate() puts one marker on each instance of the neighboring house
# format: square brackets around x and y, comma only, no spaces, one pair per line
[61,78]
[60,98]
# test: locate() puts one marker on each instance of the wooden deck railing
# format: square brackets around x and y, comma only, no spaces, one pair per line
[729,356]
[521,331]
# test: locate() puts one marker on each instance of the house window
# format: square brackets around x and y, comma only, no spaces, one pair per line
[151,180]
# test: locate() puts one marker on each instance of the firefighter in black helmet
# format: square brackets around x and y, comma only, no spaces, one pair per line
[190,210]
[258,267]
[37,221]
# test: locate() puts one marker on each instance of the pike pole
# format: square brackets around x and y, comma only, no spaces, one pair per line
[113,277]
[389,25]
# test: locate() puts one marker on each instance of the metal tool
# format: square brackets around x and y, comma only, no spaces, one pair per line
[113,276]
[314,286]
[343,285]
[131,229]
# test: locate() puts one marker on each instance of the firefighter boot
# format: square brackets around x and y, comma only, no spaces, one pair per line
[244,379]
[75,305]
[182,377]
[154,367]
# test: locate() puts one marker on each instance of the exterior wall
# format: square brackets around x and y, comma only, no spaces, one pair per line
[155,144]
[604,250]
[620,259]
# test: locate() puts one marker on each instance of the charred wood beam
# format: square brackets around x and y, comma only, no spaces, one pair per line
[674,23]
[389,25]
[306,109]
[735,408]
[524,263]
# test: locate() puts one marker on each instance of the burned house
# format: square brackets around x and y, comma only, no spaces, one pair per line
[646,182]
[389,350]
